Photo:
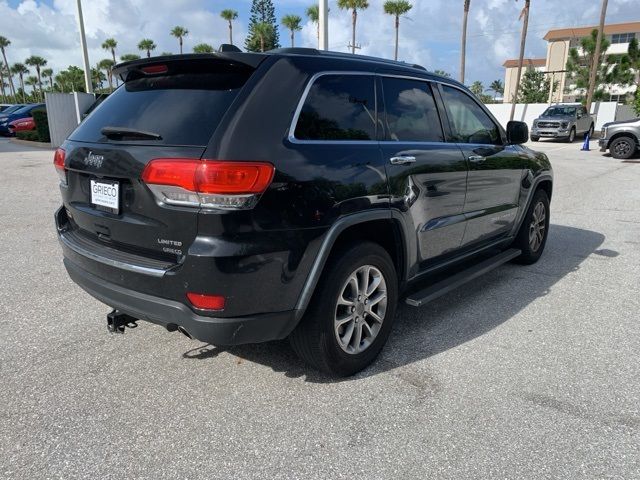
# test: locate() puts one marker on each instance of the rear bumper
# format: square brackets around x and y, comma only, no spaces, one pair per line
[217,331]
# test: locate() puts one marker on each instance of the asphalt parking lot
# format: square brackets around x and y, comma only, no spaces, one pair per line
[528,372]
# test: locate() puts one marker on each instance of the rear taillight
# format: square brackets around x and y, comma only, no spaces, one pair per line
[208,183]
[205,301]
[58,162]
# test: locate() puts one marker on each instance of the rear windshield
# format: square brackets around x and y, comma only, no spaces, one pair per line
[183,109]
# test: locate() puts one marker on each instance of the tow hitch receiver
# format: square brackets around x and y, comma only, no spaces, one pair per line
[117,321]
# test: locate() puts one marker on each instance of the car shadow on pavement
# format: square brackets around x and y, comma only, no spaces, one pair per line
[453,319]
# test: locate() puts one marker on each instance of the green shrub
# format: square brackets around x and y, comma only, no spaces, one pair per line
[42,125]
[29,135]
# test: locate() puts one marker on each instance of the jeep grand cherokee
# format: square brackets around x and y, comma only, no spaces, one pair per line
[246,197]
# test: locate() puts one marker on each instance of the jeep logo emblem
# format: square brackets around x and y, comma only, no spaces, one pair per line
[94,160]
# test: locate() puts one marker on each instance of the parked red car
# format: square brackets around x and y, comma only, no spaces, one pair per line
[21,125]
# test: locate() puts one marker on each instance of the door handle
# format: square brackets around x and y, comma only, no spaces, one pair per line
[402,160]
[477,158]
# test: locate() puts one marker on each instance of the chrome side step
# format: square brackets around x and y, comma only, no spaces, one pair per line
[438,289]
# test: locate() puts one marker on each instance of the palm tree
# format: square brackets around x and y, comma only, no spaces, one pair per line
[4,43]
[2,84]
[263,30]
[229,15]
[463,49]
[97,77]
[397,8]
[48,73]
[523,41]
[38,63]
[20,70]
[442,73]
[497,87]
[354,6]
[179,33]
[110,45]
[32,81]
[314,15]
[147,45]
[107,65]
[203,48]
[166,54]
[129,57]
[477,88]
[292,23]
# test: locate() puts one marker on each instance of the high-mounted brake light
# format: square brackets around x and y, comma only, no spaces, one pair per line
[151,69]
[208,183]
[58,162]
[206,302]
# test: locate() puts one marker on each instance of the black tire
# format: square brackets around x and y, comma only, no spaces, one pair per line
[535,139]
[315,338]
[531,251]
[622,148]
[572,135]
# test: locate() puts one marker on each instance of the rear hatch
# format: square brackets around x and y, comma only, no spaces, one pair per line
[167,108]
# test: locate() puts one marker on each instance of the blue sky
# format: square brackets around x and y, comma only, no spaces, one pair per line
[429,34]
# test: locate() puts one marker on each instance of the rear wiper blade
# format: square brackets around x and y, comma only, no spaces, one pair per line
[120,133]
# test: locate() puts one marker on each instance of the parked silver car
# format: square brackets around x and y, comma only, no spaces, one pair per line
[562,122]
[621,138]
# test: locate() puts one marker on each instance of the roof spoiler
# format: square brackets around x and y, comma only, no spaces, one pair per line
[153,65]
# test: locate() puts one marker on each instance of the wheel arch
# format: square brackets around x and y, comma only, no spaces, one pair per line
[378,226]
[624,133]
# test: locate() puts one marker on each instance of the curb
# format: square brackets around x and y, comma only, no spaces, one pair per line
[31,144]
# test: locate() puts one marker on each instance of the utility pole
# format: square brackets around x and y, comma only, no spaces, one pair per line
[323,24]
[85,54]
[523,41]
[596,57]
[463,49]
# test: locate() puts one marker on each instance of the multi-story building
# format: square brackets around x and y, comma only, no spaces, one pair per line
[559,43]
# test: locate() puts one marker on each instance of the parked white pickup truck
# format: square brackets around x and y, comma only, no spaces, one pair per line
[563,121]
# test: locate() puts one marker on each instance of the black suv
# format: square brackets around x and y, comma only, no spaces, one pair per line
[245,197]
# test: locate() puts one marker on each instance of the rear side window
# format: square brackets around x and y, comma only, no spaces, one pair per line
[469,123]
[184,109]
[411,113]
[339,107]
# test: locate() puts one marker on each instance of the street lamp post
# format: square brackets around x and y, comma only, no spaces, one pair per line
[85,54]
[323,23]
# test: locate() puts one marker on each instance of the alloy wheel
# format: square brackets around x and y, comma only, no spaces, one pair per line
[537,227]
[361,309]
[622,148]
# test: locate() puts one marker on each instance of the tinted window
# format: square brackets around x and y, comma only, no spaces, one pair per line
[339,107]
[469,123]
[411,111]
[184,109]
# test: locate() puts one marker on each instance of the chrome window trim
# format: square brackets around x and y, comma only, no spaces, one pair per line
[291,135]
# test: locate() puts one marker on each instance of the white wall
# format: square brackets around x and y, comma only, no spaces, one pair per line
[64,111]
[604,112]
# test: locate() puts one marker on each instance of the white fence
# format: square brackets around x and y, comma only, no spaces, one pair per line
[64,111]
[603,111]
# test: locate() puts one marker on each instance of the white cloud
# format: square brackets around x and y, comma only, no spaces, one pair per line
[429,34]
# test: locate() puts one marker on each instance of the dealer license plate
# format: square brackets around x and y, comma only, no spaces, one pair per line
[105,194]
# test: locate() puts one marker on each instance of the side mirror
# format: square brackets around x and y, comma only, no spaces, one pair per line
[517,132]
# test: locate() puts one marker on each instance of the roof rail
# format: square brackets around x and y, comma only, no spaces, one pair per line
[329,53]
